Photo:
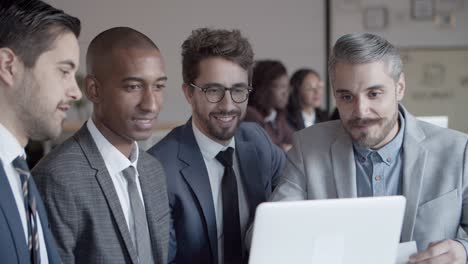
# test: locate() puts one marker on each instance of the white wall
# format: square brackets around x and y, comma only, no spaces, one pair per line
[291,31]
[402,30]
[406,32]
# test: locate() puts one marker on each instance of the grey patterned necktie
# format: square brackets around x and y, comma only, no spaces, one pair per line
[30,205]
[140,232]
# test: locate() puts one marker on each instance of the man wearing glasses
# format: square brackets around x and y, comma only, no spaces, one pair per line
[213,194]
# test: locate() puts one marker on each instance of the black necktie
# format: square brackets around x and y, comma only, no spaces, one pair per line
[30,206]
[231,219]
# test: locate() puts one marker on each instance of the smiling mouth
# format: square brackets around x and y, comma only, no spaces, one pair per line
[63,108]
[225,118]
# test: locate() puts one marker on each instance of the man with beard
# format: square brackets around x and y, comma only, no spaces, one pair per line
[39,56]
[378,148]
[218,169]
[106,198]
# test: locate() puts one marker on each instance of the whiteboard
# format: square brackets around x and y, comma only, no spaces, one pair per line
[437,83]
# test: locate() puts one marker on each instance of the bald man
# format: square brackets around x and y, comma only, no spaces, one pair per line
[106,198]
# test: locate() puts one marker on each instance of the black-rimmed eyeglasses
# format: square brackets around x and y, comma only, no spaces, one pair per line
[215,92]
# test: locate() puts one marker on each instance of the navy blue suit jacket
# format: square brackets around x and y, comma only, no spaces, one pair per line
[13,246]
[193,224]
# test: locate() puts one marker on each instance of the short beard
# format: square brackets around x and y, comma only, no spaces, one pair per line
[223,134]
[37,123]
[365,139]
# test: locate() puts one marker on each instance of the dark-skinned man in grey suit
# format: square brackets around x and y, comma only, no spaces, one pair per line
[106,198]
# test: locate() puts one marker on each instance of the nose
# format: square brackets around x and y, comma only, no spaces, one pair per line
[227,103]
[74,92]
[150,101]
[361,107]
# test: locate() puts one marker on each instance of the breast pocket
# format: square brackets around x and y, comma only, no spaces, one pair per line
[437,219]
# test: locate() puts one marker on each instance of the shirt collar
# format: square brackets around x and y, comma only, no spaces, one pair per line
[208,147]
[309,116]
[10,148]
[114,159]
[387,153]
[271,117]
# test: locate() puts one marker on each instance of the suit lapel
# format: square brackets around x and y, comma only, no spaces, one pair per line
[196,176]
[414,163]
[10,211]
[156,204]
[104,179]
[250,174]
[344,168]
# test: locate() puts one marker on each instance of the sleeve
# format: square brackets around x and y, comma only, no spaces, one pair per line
[463,239]
[292,182]
[61,211]
[172,237]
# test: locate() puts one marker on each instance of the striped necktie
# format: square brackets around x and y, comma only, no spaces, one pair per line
[30,205]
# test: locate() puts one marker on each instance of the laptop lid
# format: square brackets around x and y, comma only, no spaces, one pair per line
[334,231]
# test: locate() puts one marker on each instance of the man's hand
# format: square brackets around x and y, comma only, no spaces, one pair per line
[441,252]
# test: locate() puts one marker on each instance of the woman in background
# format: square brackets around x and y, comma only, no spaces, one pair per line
[267,103]
[305,99]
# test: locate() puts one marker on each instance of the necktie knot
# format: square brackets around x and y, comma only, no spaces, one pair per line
[20,165]
[225,157]
[130,174]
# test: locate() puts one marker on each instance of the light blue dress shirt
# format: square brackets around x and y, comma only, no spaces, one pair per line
[378,172]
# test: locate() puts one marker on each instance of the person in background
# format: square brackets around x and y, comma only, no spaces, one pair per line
[39,56]
[267,103]
[305,99]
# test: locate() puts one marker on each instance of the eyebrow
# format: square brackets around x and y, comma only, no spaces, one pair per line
[137,79]
[374,87]
[69,63]
[215,83]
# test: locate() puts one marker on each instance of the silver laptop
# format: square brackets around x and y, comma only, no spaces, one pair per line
[335,231]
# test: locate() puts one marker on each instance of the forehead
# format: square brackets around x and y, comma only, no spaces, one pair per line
[139,62]
[311,78]
[64,48]
[219,70]
[360,76]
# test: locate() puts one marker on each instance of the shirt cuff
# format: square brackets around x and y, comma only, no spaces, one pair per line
[464,242]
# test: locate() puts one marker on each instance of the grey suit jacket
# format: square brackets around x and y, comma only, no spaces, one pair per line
[435,181]
[84,211]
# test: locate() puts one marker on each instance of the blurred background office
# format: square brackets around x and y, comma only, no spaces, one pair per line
[432,35]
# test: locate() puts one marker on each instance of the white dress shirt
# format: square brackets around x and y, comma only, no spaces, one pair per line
[209,149]
[309,118]
[10,149]
[116,162]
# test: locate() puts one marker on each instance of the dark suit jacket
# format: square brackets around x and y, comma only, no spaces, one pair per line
[13,246]
[193,232]
[84,210]
[296,121]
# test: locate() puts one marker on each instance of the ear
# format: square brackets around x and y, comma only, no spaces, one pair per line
[93,89]
[8,66]
[188,92]
[400,87]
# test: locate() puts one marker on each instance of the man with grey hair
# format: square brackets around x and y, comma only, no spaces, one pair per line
[378,148]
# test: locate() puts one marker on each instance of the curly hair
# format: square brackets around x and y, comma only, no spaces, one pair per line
[265,72]
[207,43]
